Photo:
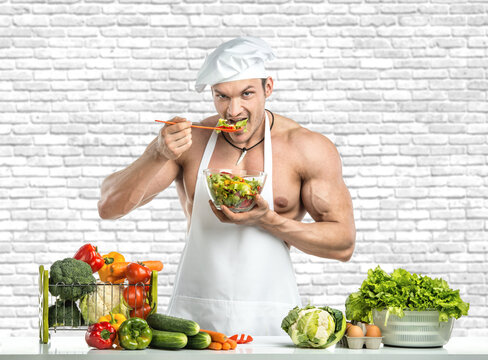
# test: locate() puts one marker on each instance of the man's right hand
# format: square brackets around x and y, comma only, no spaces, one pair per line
[174,140]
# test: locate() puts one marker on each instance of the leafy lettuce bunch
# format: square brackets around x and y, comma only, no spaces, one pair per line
[314,327]
[403,291]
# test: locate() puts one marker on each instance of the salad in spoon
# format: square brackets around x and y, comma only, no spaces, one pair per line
[224,125]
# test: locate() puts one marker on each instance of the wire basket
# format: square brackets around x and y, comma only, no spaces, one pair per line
[416,329]
[59,314]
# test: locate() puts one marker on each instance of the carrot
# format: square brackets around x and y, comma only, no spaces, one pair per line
[232,343]
[225,346]
[214,345]
[153,265]
[117,269]
[216,336]
[115,280]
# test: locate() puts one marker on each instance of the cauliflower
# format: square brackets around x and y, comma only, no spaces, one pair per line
[107,298]
[314,327]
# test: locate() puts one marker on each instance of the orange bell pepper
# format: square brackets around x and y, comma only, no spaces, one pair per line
[105,272]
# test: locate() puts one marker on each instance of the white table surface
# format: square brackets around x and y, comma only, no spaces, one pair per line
[73,346]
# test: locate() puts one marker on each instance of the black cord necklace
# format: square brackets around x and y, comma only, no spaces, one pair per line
[244,150]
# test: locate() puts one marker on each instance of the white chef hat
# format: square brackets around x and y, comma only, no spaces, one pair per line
[237,59]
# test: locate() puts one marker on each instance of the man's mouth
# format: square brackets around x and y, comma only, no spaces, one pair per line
[234,121]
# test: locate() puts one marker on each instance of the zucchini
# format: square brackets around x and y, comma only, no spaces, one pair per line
[170,323]
[199,341]
[168,340]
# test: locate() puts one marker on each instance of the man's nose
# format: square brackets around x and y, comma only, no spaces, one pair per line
[234,107]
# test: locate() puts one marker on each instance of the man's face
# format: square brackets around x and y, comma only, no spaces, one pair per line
[242,99]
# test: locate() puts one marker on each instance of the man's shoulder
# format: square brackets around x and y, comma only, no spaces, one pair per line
[199,140]
[204,134]
[299,137]
[210,120]
[310,147]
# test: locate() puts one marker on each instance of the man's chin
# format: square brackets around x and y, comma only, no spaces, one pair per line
[239,137]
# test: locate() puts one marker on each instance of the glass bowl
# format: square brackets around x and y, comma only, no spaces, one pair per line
[235,189]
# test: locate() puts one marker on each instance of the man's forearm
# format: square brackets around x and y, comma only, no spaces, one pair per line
[331,240]
[124,190]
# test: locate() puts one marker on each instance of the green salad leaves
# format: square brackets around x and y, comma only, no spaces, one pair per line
[224,125]
[233,191]
[403,291]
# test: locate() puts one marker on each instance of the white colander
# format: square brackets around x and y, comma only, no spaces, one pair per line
[415,329]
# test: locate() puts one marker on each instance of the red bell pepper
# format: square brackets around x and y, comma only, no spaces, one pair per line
[100,335]
[241,340]
[89,254]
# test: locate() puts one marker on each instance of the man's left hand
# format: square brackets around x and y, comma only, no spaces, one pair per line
[255,216]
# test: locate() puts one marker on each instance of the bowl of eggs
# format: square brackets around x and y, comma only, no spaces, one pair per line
[361,334]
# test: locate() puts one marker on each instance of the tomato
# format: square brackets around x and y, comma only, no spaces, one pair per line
[245,203]
[141,312]
[134,296]
[137,273]
[147,288]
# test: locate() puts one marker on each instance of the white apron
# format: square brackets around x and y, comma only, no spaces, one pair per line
[233,278]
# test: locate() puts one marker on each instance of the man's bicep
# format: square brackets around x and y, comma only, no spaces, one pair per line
[324,193]
[327,199]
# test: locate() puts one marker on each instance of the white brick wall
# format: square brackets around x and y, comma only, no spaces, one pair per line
[399,86]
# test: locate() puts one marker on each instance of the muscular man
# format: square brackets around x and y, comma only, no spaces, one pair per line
[235,274]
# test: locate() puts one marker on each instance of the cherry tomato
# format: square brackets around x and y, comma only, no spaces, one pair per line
[141,312]
[137,273]
[134,296]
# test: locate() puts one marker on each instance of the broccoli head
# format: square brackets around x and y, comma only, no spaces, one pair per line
[65,313]
[74,279]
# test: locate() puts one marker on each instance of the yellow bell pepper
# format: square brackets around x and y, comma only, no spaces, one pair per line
[104,272]
[114,319]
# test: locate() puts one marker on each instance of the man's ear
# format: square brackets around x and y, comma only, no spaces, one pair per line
[268,87]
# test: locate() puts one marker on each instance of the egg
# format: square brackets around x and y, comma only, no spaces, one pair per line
[348,325]
[355,331]
[373,331]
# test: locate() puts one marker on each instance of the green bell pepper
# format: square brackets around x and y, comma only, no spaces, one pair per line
[135,334]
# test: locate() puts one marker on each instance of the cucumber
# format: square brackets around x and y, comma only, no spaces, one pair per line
[199,341]
[170,323]
[168,340]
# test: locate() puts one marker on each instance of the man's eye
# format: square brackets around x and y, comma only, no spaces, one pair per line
[247,93]
[220,96]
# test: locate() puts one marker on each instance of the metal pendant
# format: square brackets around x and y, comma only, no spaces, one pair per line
[244,152]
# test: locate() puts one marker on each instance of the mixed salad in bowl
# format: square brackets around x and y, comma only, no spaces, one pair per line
[235,189]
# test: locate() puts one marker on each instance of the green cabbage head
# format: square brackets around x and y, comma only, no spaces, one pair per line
[314,327]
